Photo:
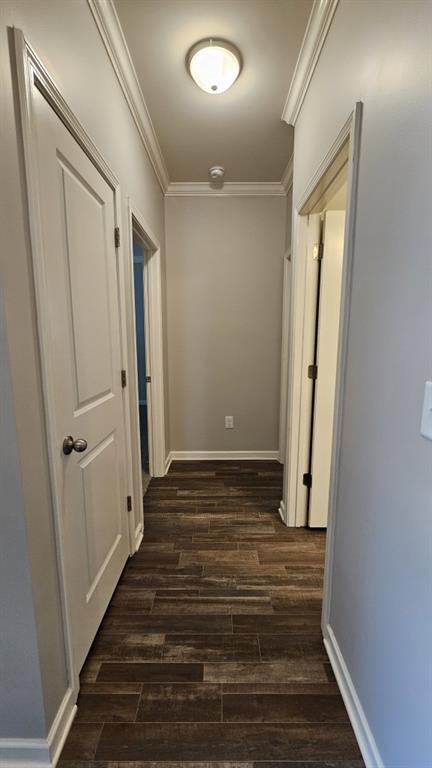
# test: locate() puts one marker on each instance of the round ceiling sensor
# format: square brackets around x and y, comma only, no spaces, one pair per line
[214,65]
[216,172]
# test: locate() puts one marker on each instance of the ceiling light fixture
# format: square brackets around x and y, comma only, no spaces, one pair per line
[214,65]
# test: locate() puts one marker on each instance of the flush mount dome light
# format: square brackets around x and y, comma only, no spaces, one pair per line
[214,65]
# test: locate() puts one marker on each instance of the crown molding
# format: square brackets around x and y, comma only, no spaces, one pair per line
[229,189]
[316,31]
[109,27]
[108,24]
[287,176]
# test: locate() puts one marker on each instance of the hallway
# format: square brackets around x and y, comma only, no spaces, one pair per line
[210,651]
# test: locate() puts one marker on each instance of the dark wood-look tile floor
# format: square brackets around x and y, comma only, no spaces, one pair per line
[210,654]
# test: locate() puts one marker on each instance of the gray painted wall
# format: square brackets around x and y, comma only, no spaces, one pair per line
[224,290]
[66,37]
[20,680]
[379,53]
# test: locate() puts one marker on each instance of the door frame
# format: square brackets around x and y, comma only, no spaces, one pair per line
[31,73]
[284,355]
[154,355]
[325,303]
[294,511]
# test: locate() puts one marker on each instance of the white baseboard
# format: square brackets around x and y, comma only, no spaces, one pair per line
[24,753]
[168,461]
[356,713]
[224,455]
[41,753]
[282,512]
[61,725]
[139,534]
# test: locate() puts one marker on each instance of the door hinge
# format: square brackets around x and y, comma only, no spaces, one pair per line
[312,371]
[123,379]
[129,503]
[318,251]
[307,480]
[148,379]
[117,237]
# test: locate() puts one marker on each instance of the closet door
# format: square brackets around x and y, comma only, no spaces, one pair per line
[82,303]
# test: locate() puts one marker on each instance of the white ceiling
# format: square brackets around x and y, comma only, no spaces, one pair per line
[240,129]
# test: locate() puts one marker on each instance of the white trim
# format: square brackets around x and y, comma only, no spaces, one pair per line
[296,321]
[113,38]
[284,358]
[27,59]
[293,493]
[327,161]
[24,753]
[224,455]
[168,461]
[111,32]
[154,350]
[109,27]
[229,189]
[316,31]
[130,395]
[287,176]
[305,283]
[38,753]
[61,725]
[139,535]
[348,258]
[282,511]
[125,297]
[356,713]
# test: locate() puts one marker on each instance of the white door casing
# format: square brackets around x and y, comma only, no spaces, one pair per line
[293,508]
[308,352]
[148,360]
[148,364]
[154,347]
[284,355]
[83,319]
[327,359]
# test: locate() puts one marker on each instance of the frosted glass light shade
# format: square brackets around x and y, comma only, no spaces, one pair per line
[214,65]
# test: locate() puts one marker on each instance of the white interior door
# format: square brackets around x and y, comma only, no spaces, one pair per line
[84,358]
[327,349]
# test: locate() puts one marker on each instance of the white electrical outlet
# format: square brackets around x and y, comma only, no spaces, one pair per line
[426,422]
[229,422]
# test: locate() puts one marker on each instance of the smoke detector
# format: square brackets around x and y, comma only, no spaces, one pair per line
[216,172]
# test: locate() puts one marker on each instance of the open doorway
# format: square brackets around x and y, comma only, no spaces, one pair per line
[325,253]
[323,240]
[145,390]
[320,278]
[141,334]
[323,248]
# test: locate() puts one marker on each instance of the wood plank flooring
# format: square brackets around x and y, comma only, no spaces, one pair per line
[210,654]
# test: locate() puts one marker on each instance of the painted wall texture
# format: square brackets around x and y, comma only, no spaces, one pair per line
[224,292]
[379,53]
